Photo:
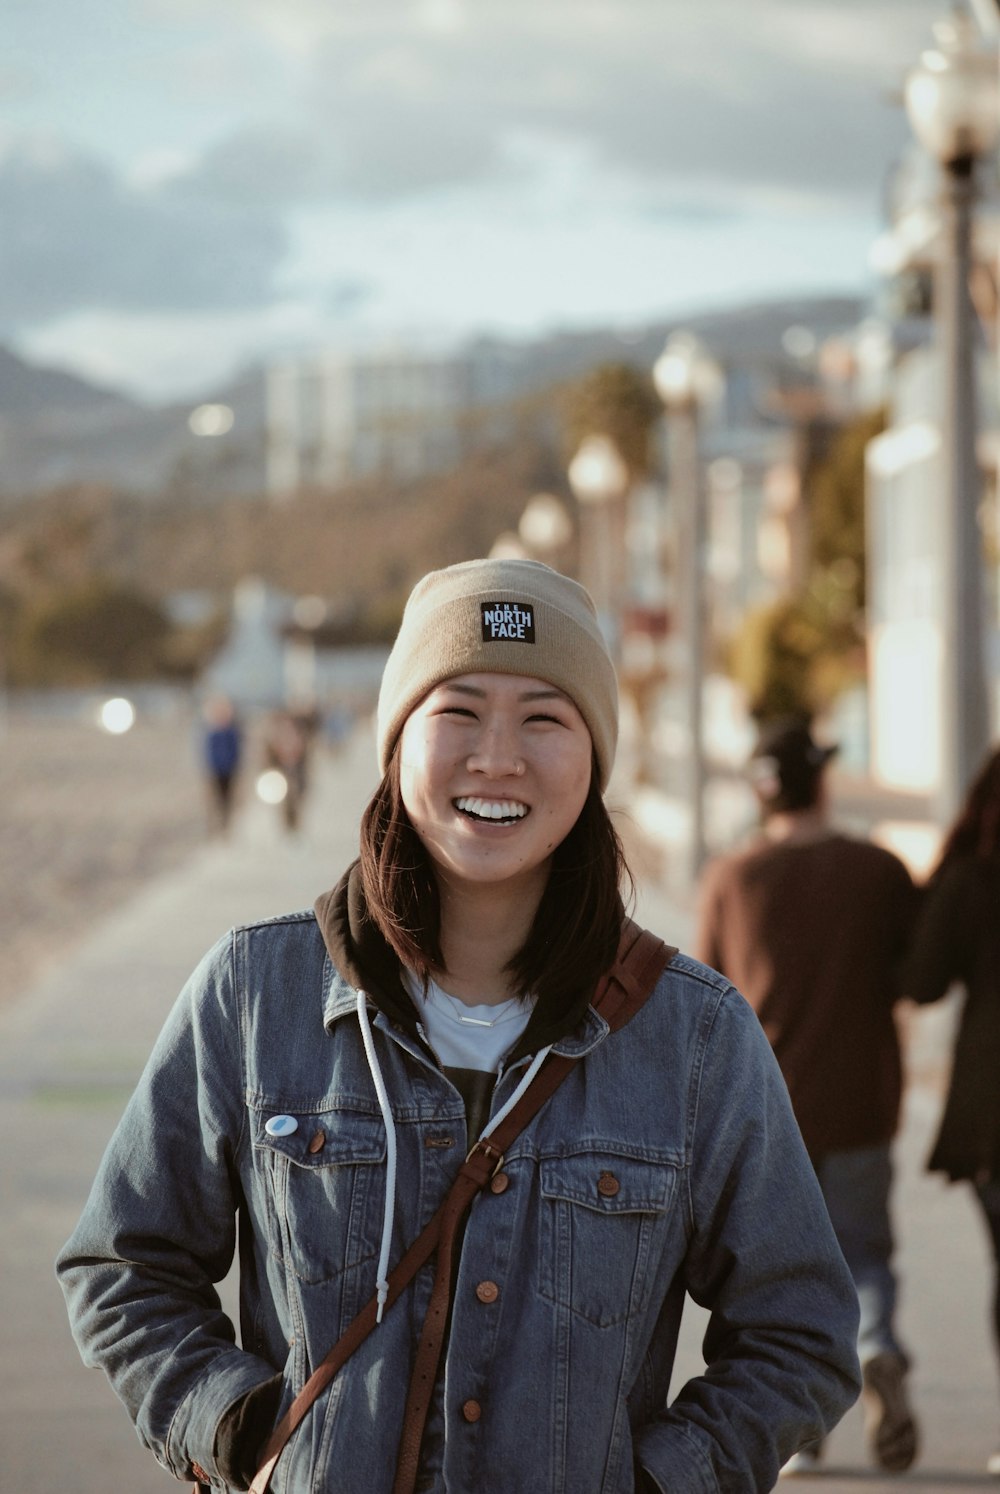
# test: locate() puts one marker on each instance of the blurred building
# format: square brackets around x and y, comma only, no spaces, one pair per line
[904,477]
[335,416]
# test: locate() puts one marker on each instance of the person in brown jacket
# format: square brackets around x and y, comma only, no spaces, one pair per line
[812,926]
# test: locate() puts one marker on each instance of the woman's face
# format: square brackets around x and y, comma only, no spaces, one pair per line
[494,771]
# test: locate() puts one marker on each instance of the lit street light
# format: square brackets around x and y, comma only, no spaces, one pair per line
[951,100]
[686,380]
[599,479]
[545,528]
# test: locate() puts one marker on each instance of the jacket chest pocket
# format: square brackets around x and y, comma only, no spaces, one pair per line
[599,1218]
[326,1181]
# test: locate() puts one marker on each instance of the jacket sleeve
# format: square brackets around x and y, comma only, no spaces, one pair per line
[780,1348]
[938,949]
[159,1229]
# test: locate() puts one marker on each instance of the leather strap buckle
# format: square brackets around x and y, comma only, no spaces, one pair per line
[487,1150]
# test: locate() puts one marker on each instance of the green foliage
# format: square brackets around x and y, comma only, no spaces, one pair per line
[796,655]
[834,494]
[773,657]
[92,632]
[614,400]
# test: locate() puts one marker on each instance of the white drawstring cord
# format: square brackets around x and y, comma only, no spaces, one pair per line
[382,1277]
[529,1074]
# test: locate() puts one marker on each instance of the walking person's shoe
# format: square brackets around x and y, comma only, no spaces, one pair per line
[806,1460]
[890,1425]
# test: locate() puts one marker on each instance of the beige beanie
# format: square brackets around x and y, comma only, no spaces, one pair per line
[501,617]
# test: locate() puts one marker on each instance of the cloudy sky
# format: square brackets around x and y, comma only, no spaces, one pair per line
[187,185]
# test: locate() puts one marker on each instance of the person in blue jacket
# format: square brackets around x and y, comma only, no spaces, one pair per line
[318,1085]
[222,748]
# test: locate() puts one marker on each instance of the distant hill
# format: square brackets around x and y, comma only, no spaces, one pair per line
[59,429]
[26,390]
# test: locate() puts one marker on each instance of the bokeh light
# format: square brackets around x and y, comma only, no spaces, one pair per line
[117,716]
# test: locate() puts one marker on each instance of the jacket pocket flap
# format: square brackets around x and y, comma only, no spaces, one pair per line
[325,1139]
[608,1182]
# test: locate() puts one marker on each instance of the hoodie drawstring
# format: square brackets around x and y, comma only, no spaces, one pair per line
[529,1074]
[382,1274]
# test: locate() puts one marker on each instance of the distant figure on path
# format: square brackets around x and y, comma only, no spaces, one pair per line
[457,1046]
[958,940]
[286,748]
[222,746]
[812,926]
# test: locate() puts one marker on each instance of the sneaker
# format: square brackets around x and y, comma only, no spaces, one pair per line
[806,1460]
[889,1422]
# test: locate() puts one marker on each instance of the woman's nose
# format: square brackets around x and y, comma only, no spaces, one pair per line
[496,752]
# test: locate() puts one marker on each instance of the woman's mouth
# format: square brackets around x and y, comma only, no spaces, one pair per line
[495,811]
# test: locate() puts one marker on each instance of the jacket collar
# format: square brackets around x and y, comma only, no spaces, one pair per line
[365,961]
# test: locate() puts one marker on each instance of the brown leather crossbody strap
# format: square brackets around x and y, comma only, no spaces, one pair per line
[642,958]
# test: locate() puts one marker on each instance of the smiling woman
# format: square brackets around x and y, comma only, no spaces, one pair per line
[469,1051]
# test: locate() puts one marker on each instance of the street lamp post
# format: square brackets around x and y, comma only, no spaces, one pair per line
[686,379]
[545,528]
[599,479]
[951,100]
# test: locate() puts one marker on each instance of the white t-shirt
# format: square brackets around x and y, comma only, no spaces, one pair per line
[469,1042]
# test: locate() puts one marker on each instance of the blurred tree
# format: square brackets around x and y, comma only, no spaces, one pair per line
[773,658]
[614,400]
[834,495]
[92,632]
[794,656]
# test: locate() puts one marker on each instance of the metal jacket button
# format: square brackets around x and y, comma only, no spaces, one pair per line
[499,1182]
[607,1185]
[472,1410]
[318,1142]
[487,1291]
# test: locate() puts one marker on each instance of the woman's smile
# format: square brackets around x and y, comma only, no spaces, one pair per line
[492,811]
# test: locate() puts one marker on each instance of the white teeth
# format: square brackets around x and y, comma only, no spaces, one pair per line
[493,809]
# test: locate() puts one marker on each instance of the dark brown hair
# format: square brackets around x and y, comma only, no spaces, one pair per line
[576,929]
[976,831]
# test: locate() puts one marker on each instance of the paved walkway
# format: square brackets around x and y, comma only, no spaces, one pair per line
[72,1047]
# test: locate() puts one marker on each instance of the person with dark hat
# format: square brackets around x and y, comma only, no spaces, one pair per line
[812,925]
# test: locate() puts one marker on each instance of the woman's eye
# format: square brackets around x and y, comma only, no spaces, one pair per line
[542,717]
[458,711]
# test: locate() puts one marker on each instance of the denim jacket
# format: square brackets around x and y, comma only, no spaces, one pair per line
[668,1162]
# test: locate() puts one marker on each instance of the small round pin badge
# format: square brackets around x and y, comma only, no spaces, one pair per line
[281,1125]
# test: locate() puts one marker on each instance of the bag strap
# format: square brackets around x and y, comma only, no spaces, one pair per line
[642,958]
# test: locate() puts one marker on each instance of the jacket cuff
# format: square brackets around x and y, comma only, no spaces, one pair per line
[243,1431]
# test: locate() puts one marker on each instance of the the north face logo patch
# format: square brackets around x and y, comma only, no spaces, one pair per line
[510,620]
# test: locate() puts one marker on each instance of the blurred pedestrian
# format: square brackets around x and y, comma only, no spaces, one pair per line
[323,1077]
[286,749]
[958,941]
[222,746]
[812,925]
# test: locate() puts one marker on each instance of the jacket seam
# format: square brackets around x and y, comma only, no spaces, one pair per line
[709,1020]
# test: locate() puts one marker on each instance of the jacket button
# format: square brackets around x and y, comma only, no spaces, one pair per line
[318,1142]
[199,1473]
[499,1182]
[472,1410]
[487,1291]
[607,1185]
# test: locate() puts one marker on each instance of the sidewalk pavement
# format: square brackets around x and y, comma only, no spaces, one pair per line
[72,1047]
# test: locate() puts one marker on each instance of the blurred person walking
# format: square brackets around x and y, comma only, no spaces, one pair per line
[463,1012]
[286,750]
[222,747]
[958,941]
[812,925]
